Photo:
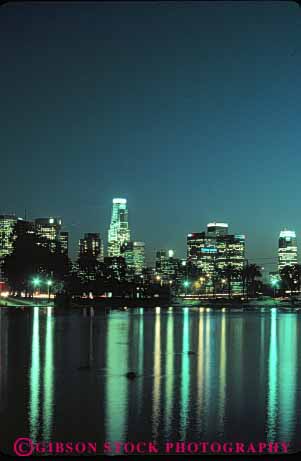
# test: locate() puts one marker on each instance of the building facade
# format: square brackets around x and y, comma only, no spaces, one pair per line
[213,251]
[119,232]
[167,267]
[91,245]
[134,255]
[49,230]
[287,249]
[7,226]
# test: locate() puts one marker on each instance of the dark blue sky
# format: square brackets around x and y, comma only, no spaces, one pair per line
[189,110]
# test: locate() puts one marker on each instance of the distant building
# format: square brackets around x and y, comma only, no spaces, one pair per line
[287,249]
[214,250]
[7,225]
[116,265]
[91,245]
[167,267]
[134,255]
[215,229]
[24,227]
[64,242]
[119,232]
[49,230]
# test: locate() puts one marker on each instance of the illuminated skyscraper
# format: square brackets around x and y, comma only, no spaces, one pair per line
[133,253]
[214,250]
[215,229]
[167,266]
[49,231]
[64,242]
[91,245]
[7,224]
[119,232]
[287,249]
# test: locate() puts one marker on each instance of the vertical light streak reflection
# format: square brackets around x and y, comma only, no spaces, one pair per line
[287,375]
[272,379]
[207,370]
[3,359]
[222,377]
[48,377]
[34,378]
[140,360]
[157,375]
[116,388]
[169,383]
[185,375]
[200,370]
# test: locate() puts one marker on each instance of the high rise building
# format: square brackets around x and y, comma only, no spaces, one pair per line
[49,230]
[7,225]
[91,245]
[119,232]
[116,265]
[214,250]
[215,229]
[23,227]
[64,242]
[134,255]
[167,266]
[287,249]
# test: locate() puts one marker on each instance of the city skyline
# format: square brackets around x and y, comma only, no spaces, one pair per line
[54,228]
[144,107]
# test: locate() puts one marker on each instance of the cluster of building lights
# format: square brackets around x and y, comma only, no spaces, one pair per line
[212,249]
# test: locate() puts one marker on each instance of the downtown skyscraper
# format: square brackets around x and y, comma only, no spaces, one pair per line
[119,232]
[287,249]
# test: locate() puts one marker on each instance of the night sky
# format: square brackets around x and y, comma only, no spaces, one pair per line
[191,111]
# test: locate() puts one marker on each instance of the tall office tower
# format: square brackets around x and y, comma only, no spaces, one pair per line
[49,230]
[166,266]
[287,249]
[23,227]
[117,266]
[64,242]
[119,232]
[91,245]
[133,253]
[214,250]
[215,229]
[7,225]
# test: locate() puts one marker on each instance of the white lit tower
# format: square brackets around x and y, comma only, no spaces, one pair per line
[287,249]
[119,232]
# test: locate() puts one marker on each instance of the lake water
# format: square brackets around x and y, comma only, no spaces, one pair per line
[62,376]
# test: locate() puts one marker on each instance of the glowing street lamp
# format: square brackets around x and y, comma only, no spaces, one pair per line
[49,284]
[36,282]
[274,284]
[186,285]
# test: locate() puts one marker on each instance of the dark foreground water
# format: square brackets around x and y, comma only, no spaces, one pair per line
[62,376]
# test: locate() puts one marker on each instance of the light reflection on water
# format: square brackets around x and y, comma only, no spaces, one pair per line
[200,375]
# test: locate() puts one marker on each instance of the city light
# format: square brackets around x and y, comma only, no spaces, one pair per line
[36,281]
[186,283]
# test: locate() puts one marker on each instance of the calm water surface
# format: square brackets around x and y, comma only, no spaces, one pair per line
[62,376]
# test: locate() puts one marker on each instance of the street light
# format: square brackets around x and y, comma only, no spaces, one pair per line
[186,285]
[274,284]
[36,282]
